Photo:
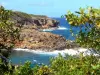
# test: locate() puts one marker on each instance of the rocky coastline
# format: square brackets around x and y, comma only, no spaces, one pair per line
[35,21]
[70,52]
[35,40]
[31,36]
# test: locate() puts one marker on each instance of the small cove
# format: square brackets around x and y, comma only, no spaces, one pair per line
[19,57]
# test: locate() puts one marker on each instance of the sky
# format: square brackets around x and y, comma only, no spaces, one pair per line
[51,8]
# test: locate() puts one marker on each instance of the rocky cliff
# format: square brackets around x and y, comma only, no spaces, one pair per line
[37,21]
[31,38]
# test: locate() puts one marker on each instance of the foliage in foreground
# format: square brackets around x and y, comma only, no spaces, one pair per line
[89,22]
[8,33]
[89,65]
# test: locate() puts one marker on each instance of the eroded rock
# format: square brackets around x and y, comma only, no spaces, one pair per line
[39,21]
[33,39]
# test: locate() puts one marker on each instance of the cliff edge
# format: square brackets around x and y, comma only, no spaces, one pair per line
[36,21]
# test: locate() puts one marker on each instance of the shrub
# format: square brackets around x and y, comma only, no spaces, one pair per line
[89,65]
[43,70]
[88,20]
[8,33]
[23,69]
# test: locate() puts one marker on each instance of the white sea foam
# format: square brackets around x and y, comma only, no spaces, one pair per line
[62,28]
[62,52]
[35,61]
[47,30]
[51,29]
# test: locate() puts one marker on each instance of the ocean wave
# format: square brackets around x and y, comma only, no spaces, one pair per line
[47,30]
[51,29]
[62,52]
[62,28]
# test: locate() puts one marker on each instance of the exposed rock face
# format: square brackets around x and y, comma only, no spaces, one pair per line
[39,21]
[33,39]
[45,22]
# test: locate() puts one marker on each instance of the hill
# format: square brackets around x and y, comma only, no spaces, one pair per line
[36,21]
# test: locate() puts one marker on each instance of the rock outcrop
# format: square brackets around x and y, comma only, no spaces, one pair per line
[33,39]
[38,21]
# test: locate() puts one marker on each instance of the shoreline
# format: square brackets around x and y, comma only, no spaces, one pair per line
[52,28]
[74,51]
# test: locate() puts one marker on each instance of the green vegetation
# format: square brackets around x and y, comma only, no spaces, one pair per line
[21,14]
[38,16]
[83,65]
[8,33]
[89,19]
[89,65]
[25,16]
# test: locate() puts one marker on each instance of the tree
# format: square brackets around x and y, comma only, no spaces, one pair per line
[89,22]
[8,32]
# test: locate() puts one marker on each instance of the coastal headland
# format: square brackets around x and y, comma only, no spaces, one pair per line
[32,38]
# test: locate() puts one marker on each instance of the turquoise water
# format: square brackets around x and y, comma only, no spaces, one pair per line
[19,57]
[65,29]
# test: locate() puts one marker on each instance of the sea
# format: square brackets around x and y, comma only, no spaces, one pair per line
[20,57]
